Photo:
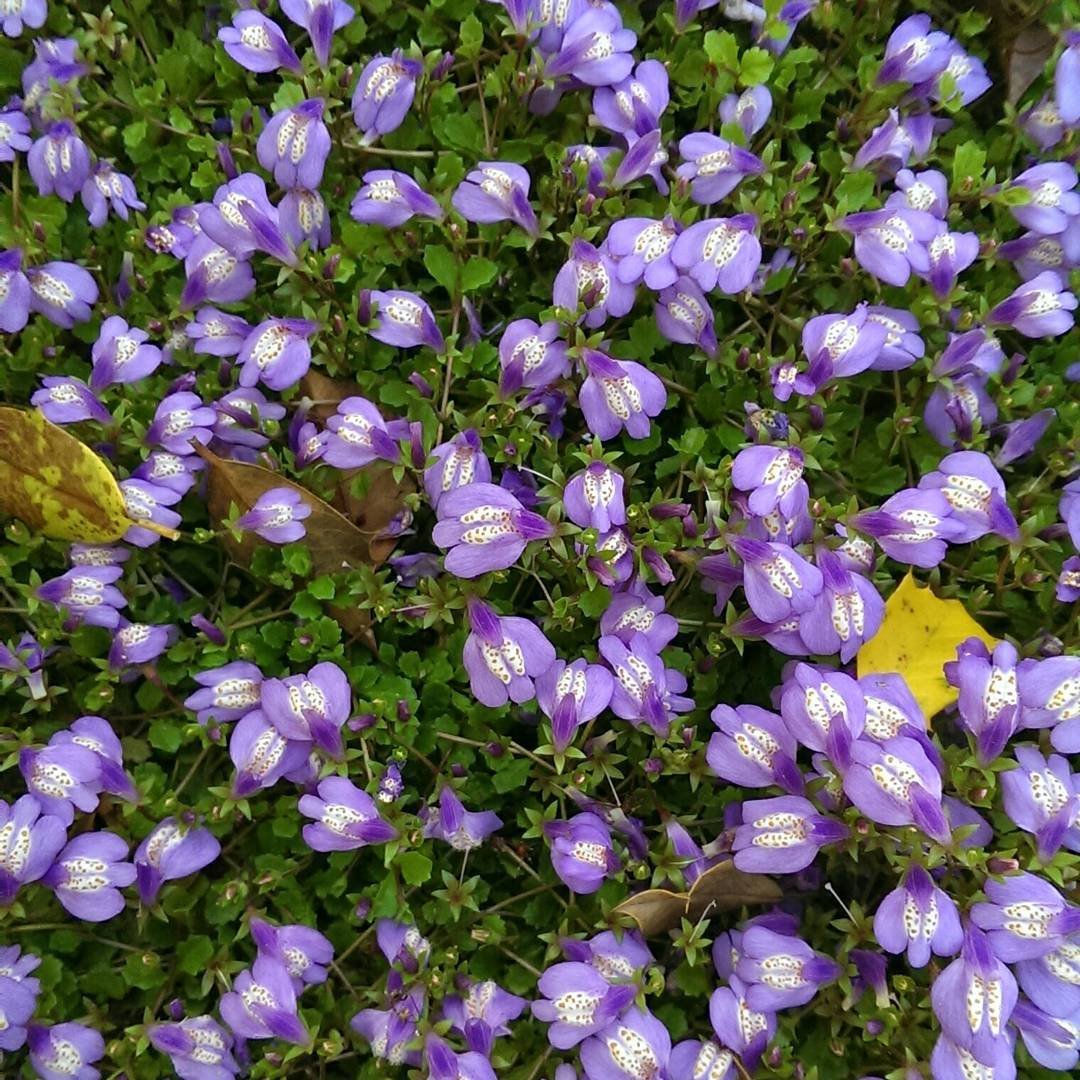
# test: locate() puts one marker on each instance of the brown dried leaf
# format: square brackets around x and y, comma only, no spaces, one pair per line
[721,888]
[325,393]
[1023,41]
[371,499]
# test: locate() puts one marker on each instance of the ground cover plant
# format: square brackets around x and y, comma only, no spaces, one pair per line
[540,540]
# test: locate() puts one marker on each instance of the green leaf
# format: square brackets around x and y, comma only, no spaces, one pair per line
[477,273]
[415,867]
[513,776]
[755,67]
[194,952]
[968,163]
[165,735]
[471,38]
[722,49]
[441,264]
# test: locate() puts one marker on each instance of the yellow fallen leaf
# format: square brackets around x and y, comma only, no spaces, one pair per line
[918,635]
[56,484]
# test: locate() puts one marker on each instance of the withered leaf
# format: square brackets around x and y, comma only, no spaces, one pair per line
[1023,41]
[334,541]
[325,393]
[721,888]
[56,484]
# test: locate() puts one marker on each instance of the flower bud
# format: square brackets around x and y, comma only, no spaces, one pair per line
[817,417]
[997,864]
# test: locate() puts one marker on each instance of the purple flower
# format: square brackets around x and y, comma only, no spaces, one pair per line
[912,526]
[645,156]
[595,49]
[1022,436]
[914,53]
[782,835]
[713,166]
[642,248]
[619,394]
[496,191]
[172,850]
[1051,980]
[772,475]
[261,754]
[344,818]
[1053,205]
[304,951]
[18,995]
[258,43]
[593,498]
[31,833]
[14,292]
[1068,584]
[636,1045]
[181,420]
[389,1032]
[570,695]
[214,274]
[753,748]
[778,582]
[531,355]
[502,656]
[989,697]
[262,1004]
[633,106]
[968,74]
[845,344]
[950,1061]
[721,253]
[53,59]
[577,1001]
[1067,80]
[1032,254]
[925,192]
[239,416]
[305,219]
[824,710]
[242,220]
[589,279]
[403,320]
[88,594]
[63,292]
[951,414]
[1040,798]
[779,971]
[1041,307]
[683,315]
[481,1013]
[892,710]
[1069,509]
[486,528]
[950,254]
[145,501]
[95,734]
[445,1064]
[391,198]
[62,777]
[846,613]
[216,333]
[1043,124]
[918,918]
[1051,1041]
[277,516]
[139,643]
[88,874]
[1025,917]
[895,140]
[358,435]
[384,94]
[902,345]
[21,14]
[311,707]
[976,496]
[27,660]
[320,18]
[462,829]
[458,463]
[199,1047]
[106,189]
[973,999]
[636,610]
[295,144]
[59,161]
[65,1051]
[890,243]
[276,353]
[121,355]
[645,692]
[750,109]
[737,1026]
[64,399]
[581,852]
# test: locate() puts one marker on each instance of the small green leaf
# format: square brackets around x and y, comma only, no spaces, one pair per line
[415,868]
[755,67]
[477,273]
[471,37]
[442,266]
[165,735]
[513,776]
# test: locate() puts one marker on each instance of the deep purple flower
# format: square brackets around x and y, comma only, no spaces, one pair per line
[33,830]
[570,695]
[481,1013]
[1053,204]
[384,94]
[239,416]
[389,1032]
[63,399]
[989,695]
[277,516]
[593,498]
[496,191]
[642,248]
[172,850]
[772,475]
[404,320]
[216,333]
[952,413]
[1053,1042]
[242,220]
[485,528]
[778,582]
[750,109]
[746,1031]
[1041,307]
[443,1063]
[458,463]
[106,189]
[633,106]
[582,852]
[825,710]
[19,992]
[65,1051]
[683,315]
[531,355]
[918,918]
[891,243]
[950,254]
[780,972]
[645,156]
[713,166]
[848,344]
[1025,917]
[976,496]
[589,279]
[358,435]
[595,49]
[645,692]
[262,1004]
[577,1001]
[312,707]
[619,394]
[636,610]
[258,43]
[1040,798]
[276,353]
[305,219]
[462,829]
[635,1045]
[753,748]
[59,161]
[121,355]
[295,144]
[88,874]
[391,198]
[320,18]
[344,817]
[912,527]
[893,142]
[503,655]
[782,835]
[14,292]
[214,274]
[974,997]
[198,1046]
[145,501]
[181,420]
[720,253]
[139,643]
[1067,589]
[88,594]
[95,734]
[63,292]
[304,951]
[914,52]
[54,59]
